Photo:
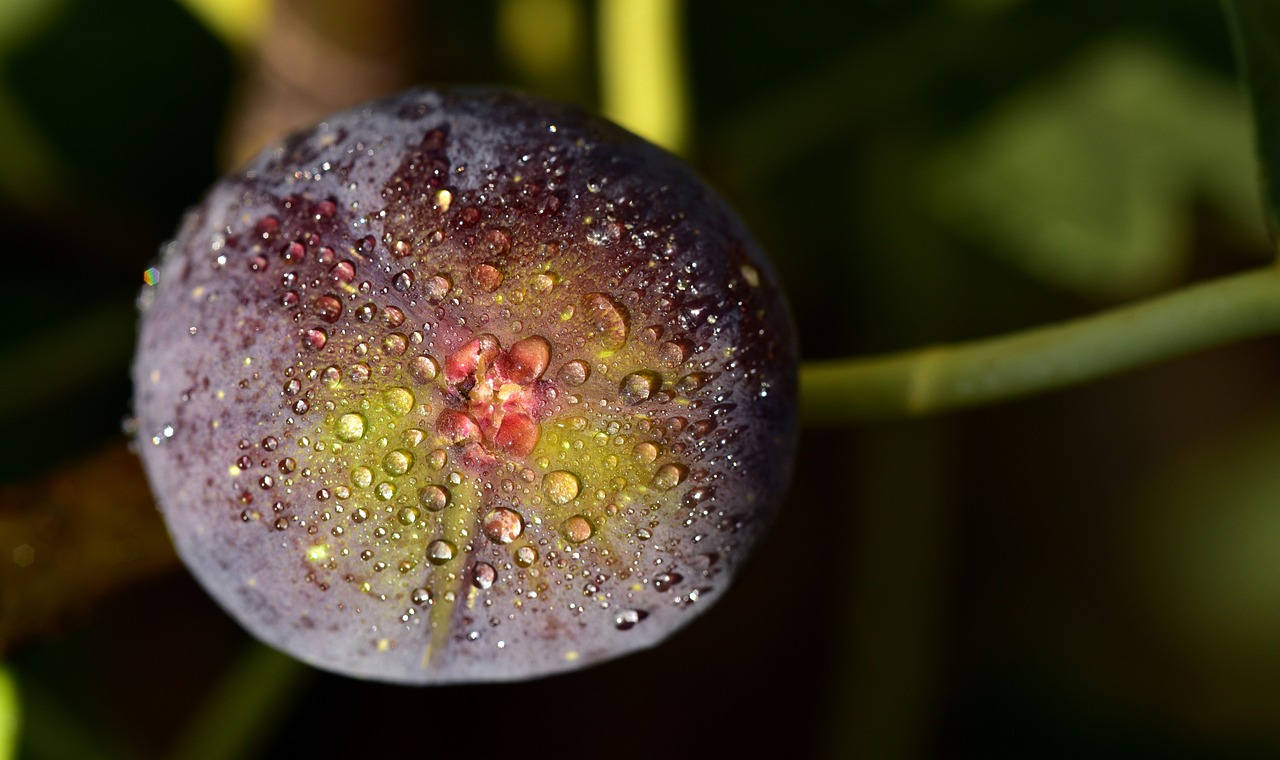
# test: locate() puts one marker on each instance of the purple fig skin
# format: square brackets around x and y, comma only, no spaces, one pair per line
[464,386]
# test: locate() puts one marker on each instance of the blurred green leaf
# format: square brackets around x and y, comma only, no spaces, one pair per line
[1086,182]
[1255,25]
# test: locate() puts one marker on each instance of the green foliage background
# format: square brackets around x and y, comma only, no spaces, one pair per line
[1090,573]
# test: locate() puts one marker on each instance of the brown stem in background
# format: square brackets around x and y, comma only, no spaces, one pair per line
[70,537]
[313,59]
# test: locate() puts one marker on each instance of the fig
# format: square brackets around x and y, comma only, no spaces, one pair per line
[464,386]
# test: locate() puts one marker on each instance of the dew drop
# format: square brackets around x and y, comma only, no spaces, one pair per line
[574,372]
[436,288]
[403,281]
[407,515]
[646,451]
[577,529]
[486,277]
[343,272]
[398,462]
[362,477]
[669,476]
[673,353]
[350,427]
[315,338]
[483,575]
[423,368]
[503,525]
[395,344]
[440,551]
[420,596]
[526,556]
[433,497]
[639,386]
[606,318]
[627,619]
[328,308]
[561,486]
[692,383]
[399,400]
[664,581]
[528,359]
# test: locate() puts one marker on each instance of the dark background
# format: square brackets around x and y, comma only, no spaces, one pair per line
[1092,573]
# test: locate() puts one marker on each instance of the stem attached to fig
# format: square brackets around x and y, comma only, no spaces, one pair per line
[947,377]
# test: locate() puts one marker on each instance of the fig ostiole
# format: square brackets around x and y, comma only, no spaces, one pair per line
[464,386]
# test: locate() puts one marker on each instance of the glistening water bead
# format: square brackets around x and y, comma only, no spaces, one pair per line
[472,356]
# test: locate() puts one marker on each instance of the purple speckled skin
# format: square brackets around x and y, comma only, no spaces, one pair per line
[464,386]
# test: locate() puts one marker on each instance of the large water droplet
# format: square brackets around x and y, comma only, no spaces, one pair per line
[434,497]
[350,427]
[577,529]
[486,277]
[669,476]
[606,318]
[399,400]
[483,575]
[574,372]
[626,619]
[503,525]
[315,338]
[440,551]
[436,288]
[328,308]
[423,368]
[646,451]
[639,386]
[397,462]
[561,486]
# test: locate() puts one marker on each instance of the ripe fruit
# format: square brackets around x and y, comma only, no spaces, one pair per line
[464,386]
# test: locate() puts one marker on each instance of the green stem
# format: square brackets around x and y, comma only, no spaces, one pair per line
[10,714]
[942,378]
[255,695]
[642,78]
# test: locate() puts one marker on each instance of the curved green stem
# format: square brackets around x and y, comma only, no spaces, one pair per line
[253,697]
[942,378]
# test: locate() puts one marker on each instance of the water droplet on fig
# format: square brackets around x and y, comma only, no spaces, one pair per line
[350,427]
[399,400]
[503,525]
[483,575]
[423,368]
[639,386]
[574,372]
[577,529]
[561,486]
[440,551]
[669,476]
[433,497]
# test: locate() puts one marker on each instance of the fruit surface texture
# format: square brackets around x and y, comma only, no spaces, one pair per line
[464,386]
